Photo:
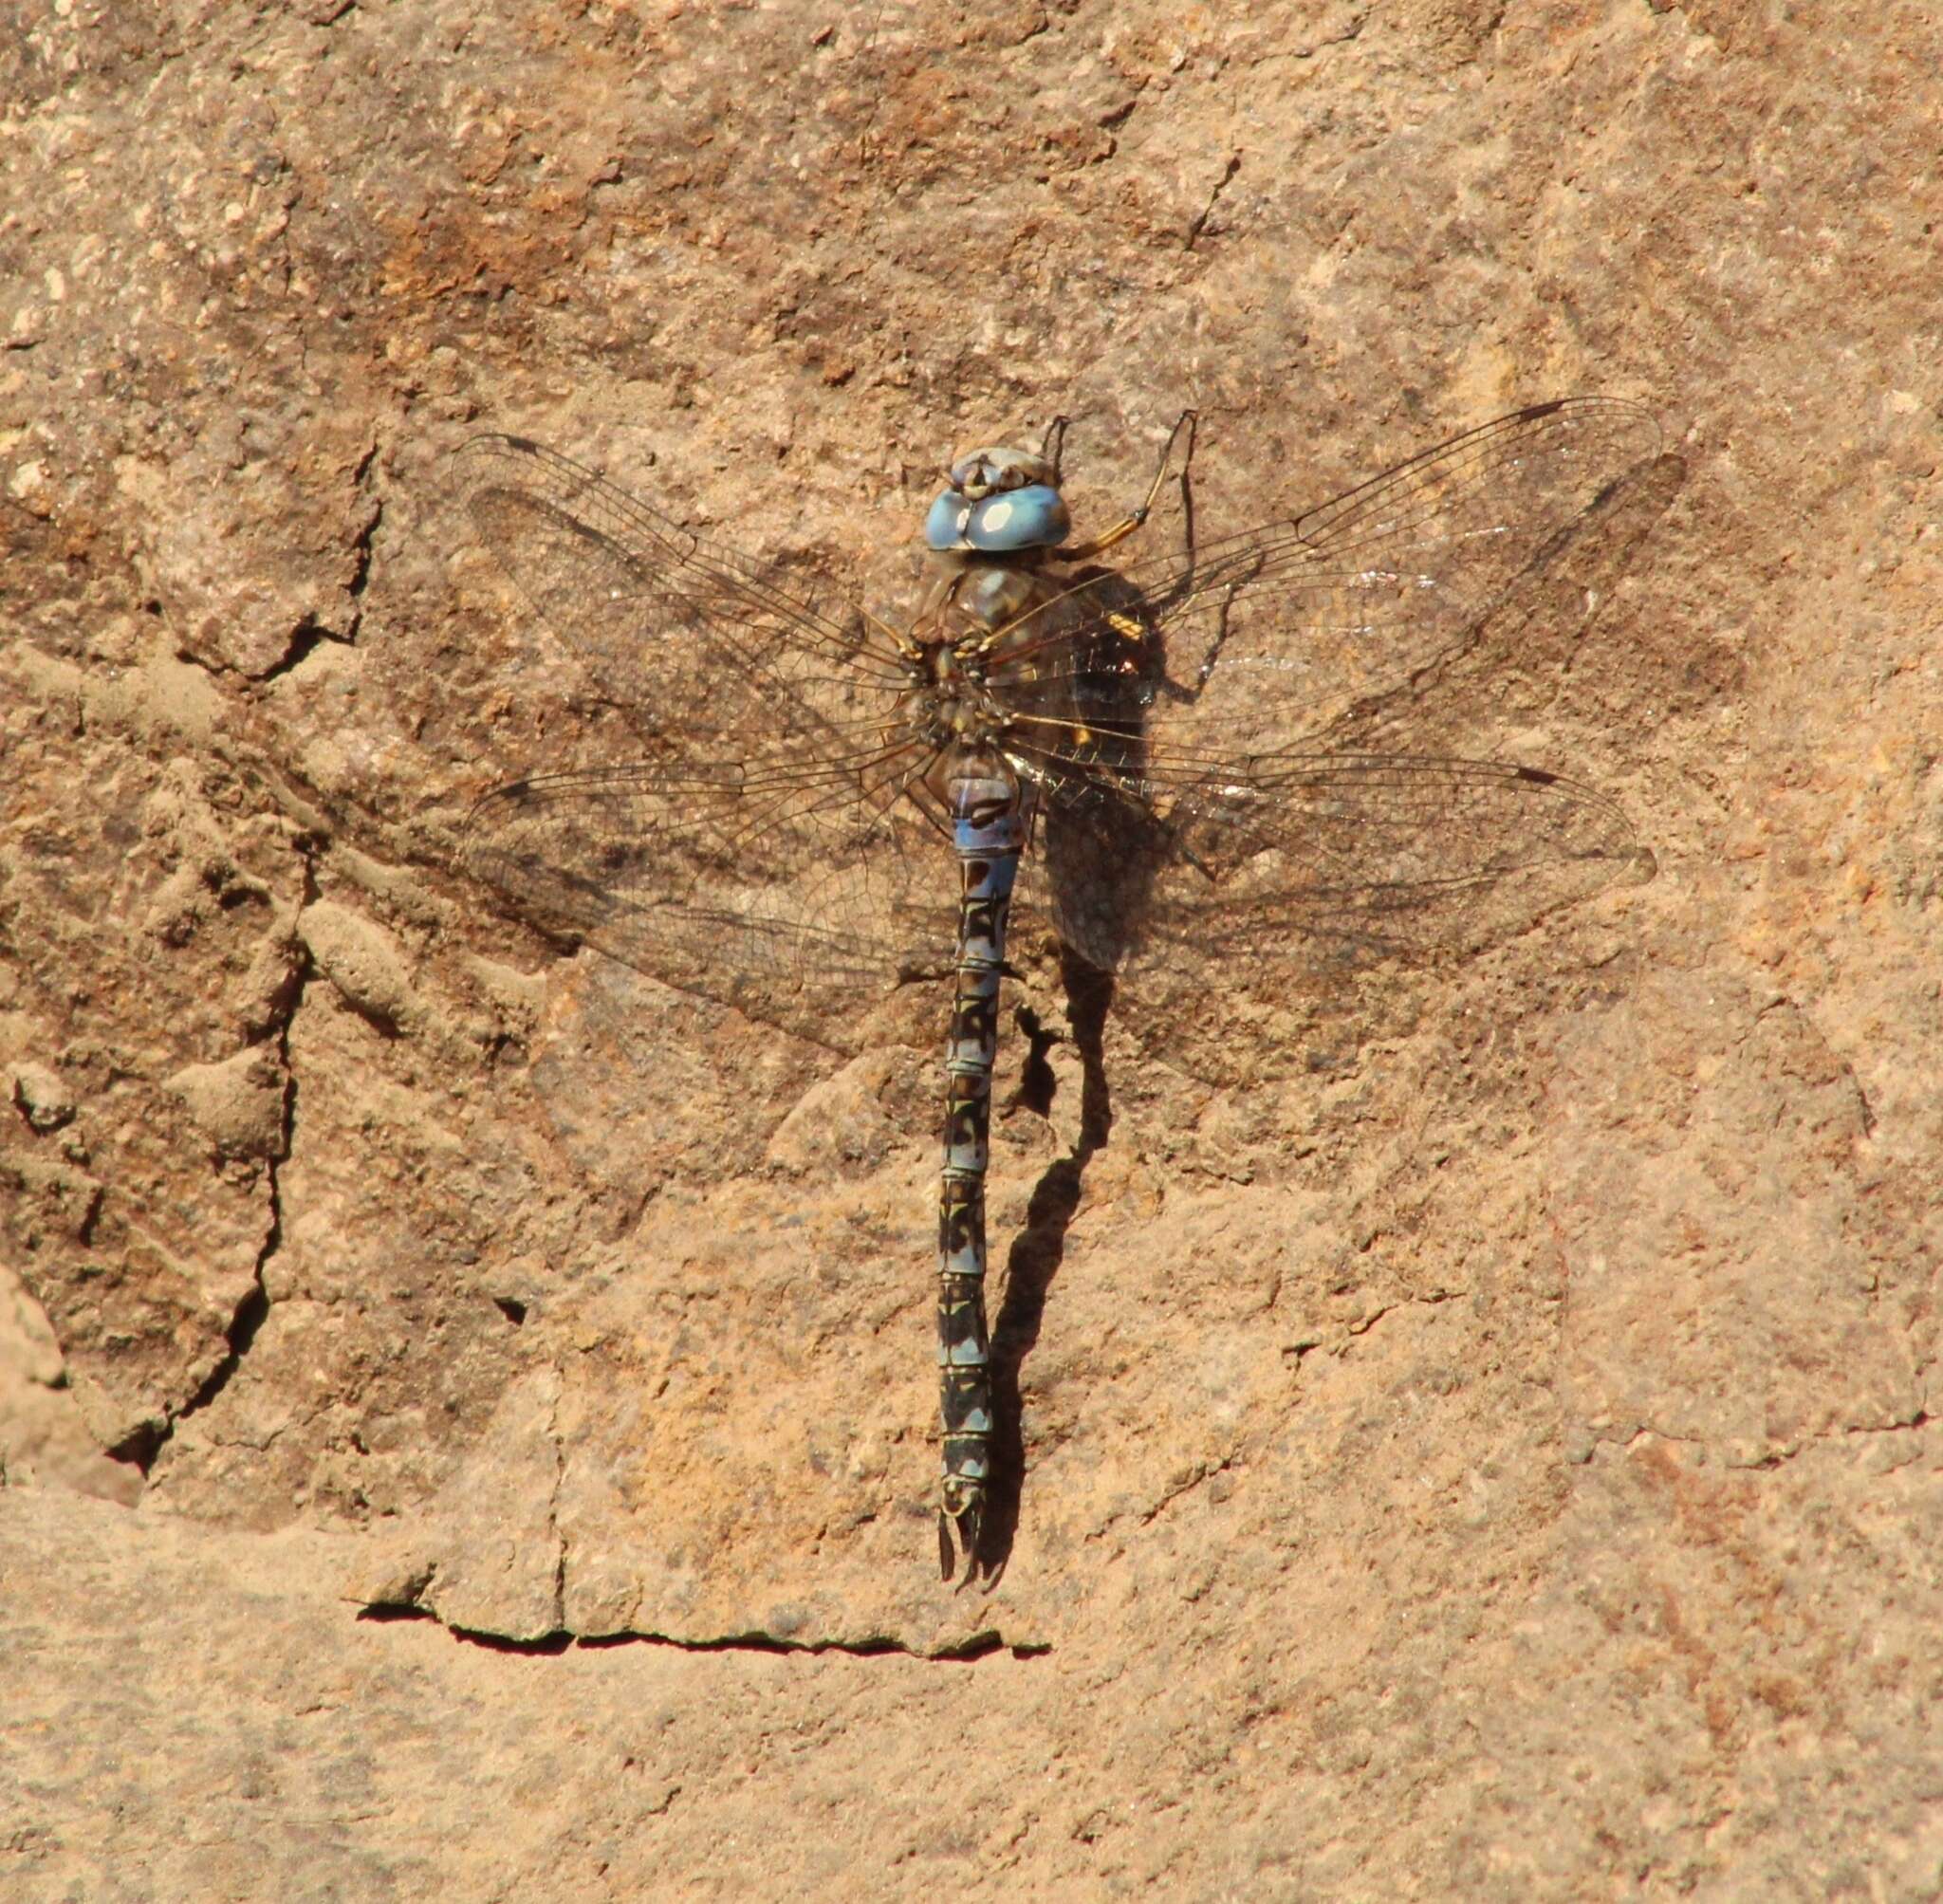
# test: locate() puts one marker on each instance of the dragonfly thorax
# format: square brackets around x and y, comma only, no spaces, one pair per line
[952,695]
[972,647]
[989,595]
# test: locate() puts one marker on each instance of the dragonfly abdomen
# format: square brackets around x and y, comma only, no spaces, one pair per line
[988,819]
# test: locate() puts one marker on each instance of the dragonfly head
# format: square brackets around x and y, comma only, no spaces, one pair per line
[999,502]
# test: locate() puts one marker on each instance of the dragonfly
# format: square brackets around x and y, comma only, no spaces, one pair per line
[1172,760]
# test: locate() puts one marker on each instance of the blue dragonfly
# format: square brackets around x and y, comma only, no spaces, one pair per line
[1165,761]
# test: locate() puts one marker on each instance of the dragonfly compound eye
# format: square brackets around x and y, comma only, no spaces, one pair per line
[950,517]
[1008,521]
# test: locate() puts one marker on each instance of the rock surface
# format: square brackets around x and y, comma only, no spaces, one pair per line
[465,1406]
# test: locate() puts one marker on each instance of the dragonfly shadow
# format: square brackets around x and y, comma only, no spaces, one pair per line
[1036,1255]
[1407,849]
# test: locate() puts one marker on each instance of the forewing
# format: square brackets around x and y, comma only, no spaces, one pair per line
[1258,642]
[709,654]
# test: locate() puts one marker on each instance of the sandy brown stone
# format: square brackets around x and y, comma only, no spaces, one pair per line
[1467,1427]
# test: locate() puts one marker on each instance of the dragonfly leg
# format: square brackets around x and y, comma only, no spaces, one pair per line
[1099,545]
[1052,446]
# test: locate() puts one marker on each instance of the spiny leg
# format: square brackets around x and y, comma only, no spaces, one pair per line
[1099,545]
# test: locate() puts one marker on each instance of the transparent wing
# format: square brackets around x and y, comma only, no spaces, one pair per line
[712,654]
[1331,856]
[1253,642]
[777,845]
[697,878]
[763,852]
[1177,714]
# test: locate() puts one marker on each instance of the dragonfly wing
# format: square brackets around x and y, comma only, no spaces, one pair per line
[1259,642]
[1340,857]
[765,853]
[708,651]
[1191,722]
[758,889]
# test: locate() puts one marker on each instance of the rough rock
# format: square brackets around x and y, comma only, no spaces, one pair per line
[465,1404]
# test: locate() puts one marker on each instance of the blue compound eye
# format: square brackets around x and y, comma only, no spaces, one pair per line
[944,527]
[1032,517]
